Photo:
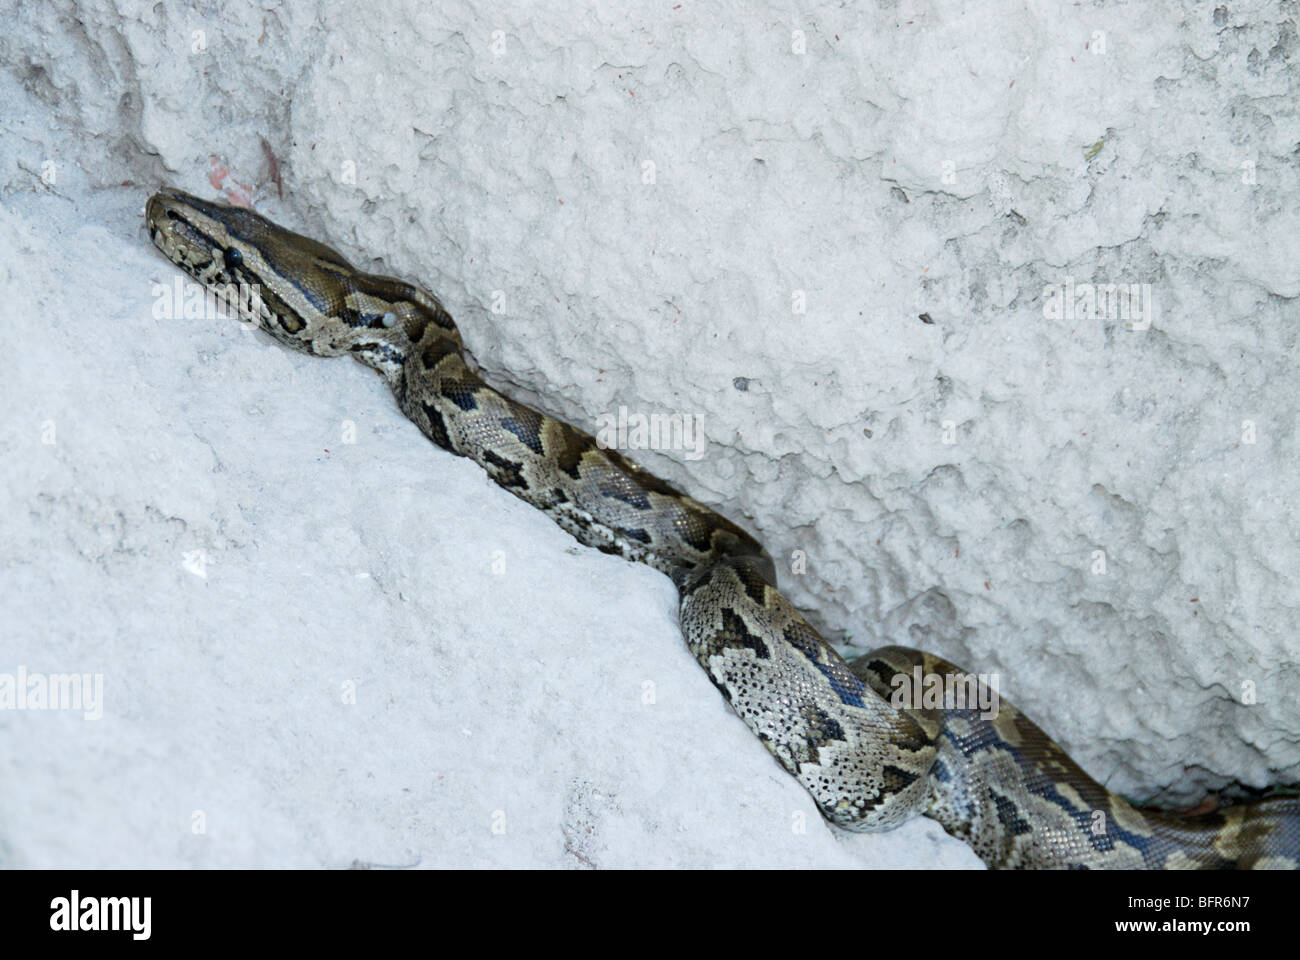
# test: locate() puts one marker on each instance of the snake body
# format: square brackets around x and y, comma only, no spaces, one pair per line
[868,760]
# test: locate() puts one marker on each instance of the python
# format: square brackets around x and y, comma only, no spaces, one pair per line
[1000,784]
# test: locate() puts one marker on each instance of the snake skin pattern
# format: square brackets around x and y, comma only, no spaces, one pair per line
[868,760]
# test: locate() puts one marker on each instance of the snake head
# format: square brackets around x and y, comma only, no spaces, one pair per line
[210,241]
[292,286]
[300,291]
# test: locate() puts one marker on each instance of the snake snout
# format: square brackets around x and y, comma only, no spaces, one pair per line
[161,209]
[172,231]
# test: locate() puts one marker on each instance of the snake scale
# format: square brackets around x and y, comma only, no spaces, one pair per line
[870,762]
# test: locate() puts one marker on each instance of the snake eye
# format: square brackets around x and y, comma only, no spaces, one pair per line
[234,258]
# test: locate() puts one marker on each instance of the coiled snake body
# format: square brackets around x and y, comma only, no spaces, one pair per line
[869,762]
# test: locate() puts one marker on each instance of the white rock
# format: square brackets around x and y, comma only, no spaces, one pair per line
[625,211]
